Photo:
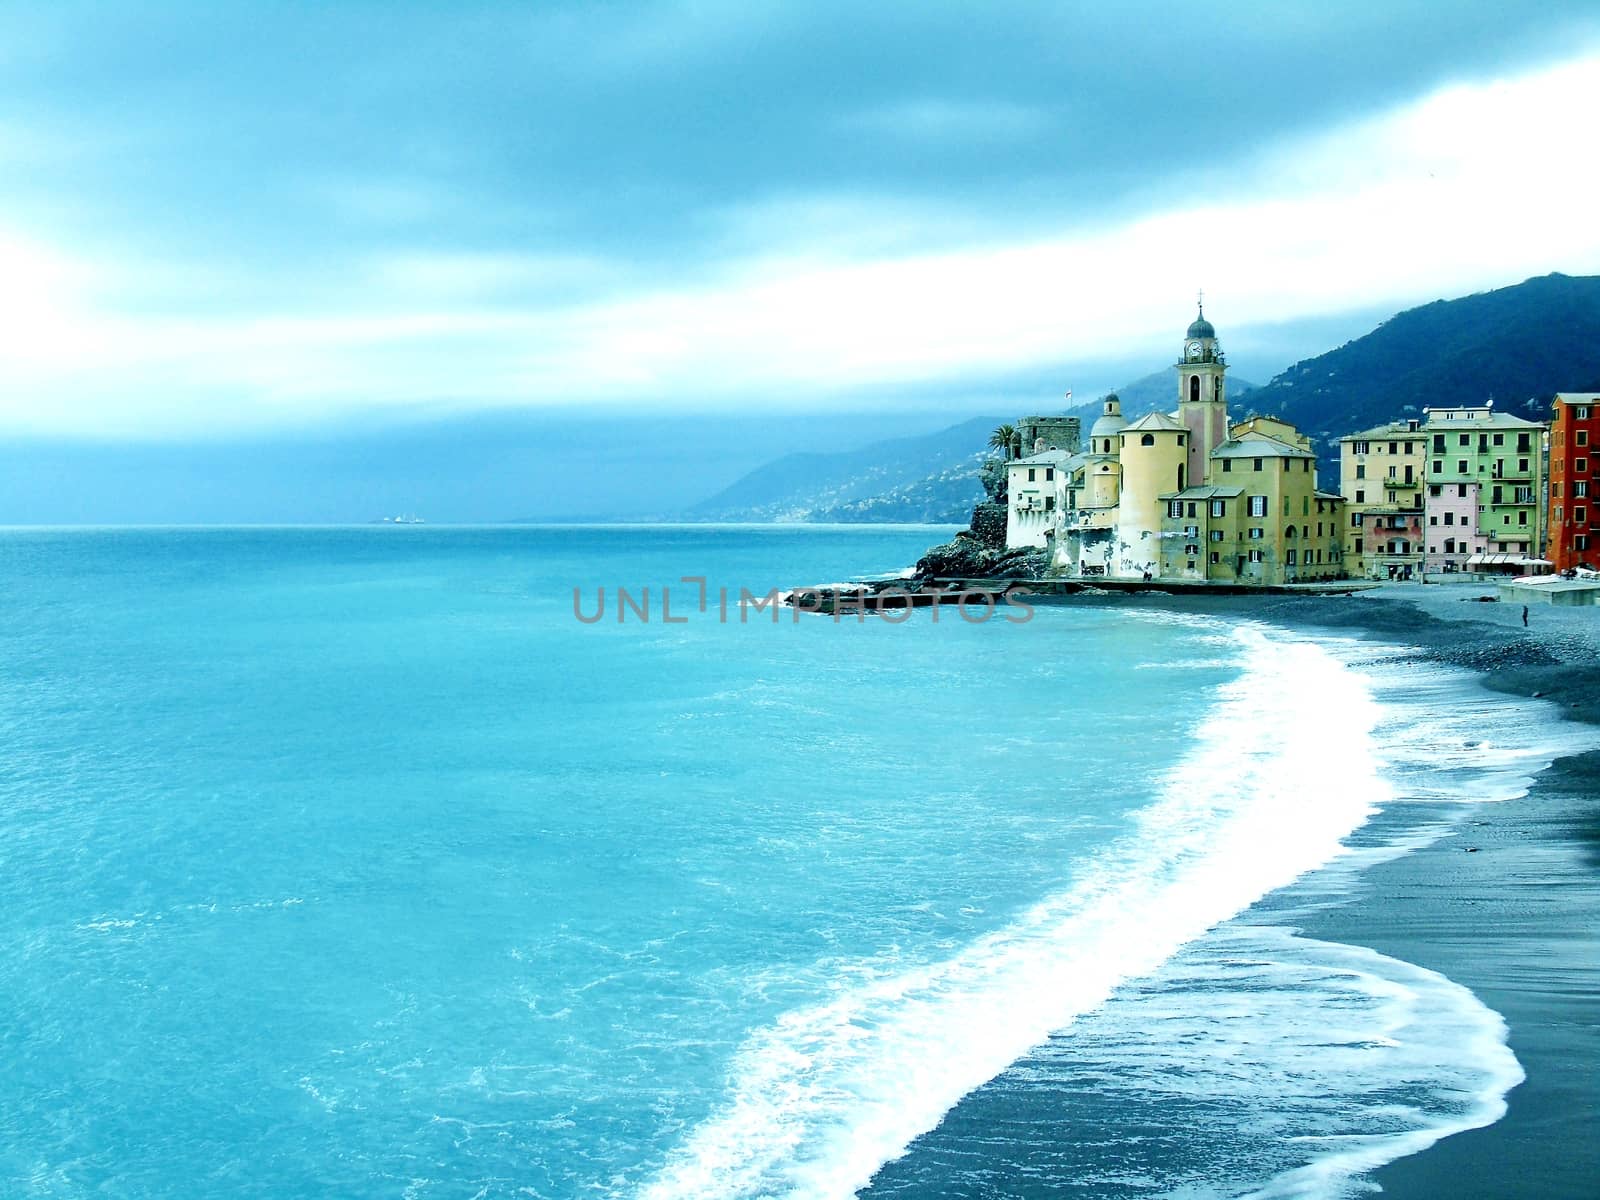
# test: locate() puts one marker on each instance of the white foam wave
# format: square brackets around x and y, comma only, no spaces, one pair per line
[819,1100]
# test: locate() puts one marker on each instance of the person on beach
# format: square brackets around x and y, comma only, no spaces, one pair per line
[1524,616]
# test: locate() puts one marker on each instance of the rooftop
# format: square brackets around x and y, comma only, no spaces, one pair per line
[1155,421]
[1045,458]
[1206,491]
[1258,445]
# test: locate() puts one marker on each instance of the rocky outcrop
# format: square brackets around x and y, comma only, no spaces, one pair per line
[967,558]
[979,551]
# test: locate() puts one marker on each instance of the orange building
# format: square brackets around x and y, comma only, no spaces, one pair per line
[1574,472]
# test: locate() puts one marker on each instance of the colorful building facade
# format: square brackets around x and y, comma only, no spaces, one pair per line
[1574,446]
[1381,479]
[1484,498]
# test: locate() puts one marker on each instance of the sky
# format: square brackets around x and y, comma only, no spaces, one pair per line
[261,229]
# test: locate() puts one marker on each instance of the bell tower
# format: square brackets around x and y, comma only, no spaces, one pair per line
[1202,393]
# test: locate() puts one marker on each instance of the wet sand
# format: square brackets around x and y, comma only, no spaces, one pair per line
[1509,905]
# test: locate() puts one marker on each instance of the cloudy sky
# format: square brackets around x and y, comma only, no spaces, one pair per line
[243,220]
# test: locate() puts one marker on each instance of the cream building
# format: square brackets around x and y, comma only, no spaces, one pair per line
[1036,486]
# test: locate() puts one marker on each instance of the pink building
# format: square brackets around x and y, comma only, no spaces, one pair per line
[1451,510]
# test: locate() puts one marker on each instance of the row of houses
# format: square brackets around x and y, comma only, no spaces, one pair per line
[1191,495]
[1471,490]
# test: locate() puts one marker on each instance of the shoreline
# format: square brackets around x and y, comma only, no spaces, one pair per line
[1506,904]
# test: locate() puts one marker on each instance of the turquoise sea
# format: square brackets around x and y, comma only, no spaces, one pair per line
[351,862]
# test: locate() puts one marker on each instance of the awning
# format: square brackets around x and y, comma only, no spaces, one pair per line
[1507,560]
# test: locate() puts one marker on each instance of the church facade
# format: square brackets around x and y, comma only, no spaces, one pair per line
[1182,495]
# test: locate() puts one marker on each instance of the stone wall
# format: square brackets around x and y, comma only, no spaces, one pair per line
[1057,433]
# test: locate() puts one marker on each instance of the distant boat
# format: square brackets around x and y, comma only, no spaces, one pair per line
[407,519]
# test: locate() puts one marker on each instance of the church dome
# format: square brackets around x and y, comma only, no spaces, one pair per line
[1201,328]
[1110,423]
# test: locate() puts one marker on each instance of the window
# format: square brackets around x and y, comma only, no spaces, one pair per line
[1524,444]
[1461,489]
[1497,496]
[1049,503]
[1449,518]
[1288,558]
[1030,474]
[1191,508]
[1216,557]
[1216,535]
[1219,508]
[1258,504]
[1255,556]
[1355,520]
[1148,439]
[1449,545]
[1194,389]
[1258,464]
[1580,487]
[1360,448]
[1461,466]
[1438,443]
[1580,514]
[1049,473]
[1581,412]
[1524,495]
[1465,440]
[1358,545]
[1174,508]
[1581,542]
[1257,533]
[1361,496]
[1394,448]
[1583,437]
[1305,465]
[1499,439]
[1438,468]
[1434,519]
[1394,472]
[1580,465]
[1522,517]
[1433,489]
[1305,506]
[1522,466]
[1227,464]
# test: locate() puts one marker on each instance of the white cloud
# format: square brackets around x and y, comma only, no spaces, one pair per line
[1475,186]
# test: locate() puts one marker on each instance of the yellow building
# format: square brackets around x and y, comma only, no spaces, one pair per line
[1260,518]
[1381,474]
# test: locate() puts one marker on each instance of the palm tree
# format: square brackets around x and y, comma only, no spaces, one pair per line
[1004,439]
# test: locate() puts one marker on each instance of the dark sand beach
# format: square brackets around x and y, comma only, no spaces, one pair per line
[1508,905]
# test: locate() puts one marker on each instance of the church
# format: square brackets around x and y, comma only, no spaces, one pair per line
[1181,495]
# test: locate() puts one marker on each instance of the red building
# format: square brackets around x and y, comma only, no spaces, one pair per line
[1574,447]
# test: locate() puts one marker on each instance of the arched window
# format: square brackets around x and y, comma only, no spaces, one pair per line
[1180,479]
[1216,387]
[1148,439]
[1194,388]
[1289,531]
